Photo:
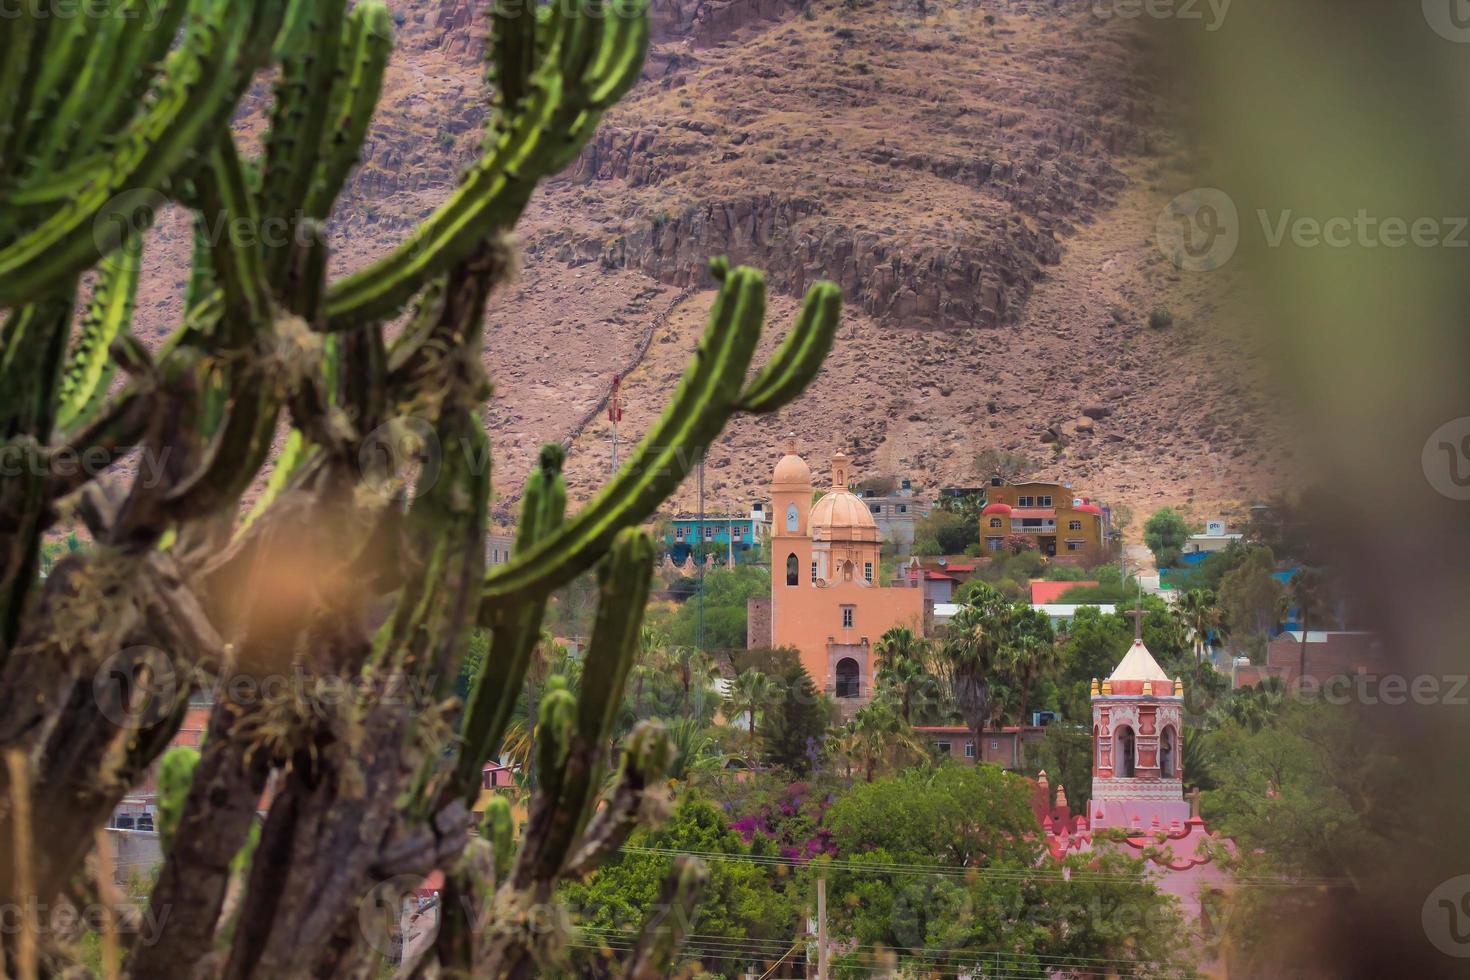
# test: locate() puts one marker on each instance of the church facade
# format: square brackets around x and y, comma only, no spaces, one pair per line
[827,599]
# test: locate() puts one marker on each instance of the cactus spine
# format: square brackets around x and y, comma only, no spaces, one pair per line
[102,123]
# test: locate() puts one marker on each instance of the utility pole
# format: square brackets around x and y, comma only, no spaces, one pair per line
[699,539]
[822,928]
[615,415]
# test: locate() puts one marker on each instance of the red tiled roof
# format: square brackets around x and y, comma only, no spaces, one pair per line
[1043,592]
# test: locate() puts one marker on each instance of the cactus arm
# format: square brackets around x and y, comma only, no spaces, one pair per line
[19,71]
[109,314]
[298,127]
[197,93]
[645,761]
[491,196]
[797,361]
[235,261]
[175,776]
[605,51]
[515,631]
[705,399]
[662,934]
[569,790]
[511,56]
[364,60]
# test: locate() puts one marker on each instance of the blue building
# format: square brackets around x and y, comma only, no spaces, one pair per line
[722,534]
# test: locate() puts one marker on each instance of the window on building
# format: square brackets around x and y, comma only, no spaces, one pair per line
[969,750]
[868,570]
[994,745]
[944,747]
[709,534]
[848,684]
[903,508]
[678,534]
[993,544]
[1025,501]
[814,570]
[792,574]
[1075,544]
[1166,753]
[1074,525]
[995,522]
[876,508]
[737,532]
[1043,501]
[847,612]
[1126,758]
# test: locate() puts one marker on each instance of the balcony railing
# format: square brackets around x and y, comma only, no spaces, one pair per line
[1048,528]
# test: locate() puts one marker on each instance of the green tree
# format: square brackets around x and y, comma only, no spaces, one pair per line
[972,642]
[750,694]
[1165,534]
[880,739]
[744,905]
[1008,466]
[1251,599]
[979,819]
[1307,595]
[1065,754]
[909,684]
[1200,615]
[793,730]
[945,532]
[725,597]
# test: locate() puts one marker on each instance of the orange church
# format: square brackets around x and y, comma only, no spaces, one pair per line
[827,600]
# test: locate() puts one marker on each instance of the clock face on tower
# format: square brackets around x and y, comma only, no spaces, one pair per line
[791,518]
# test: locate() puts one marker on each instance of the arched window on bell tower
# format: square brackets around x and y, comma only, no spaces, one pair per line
[1168,752]
[793,569]
[1127,753]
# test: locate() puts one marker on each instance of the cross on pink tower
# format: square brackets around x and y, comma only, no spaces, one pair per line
[1136,614]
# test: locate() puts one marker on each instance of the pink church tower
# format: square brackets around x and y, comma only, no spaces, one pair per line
[1137,725]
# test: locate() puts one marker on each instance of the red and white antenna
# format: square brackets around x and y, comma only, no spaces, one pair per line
[615,415]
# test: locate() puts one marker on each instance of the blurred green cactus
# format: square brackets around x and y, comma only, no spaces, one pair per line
[107,119]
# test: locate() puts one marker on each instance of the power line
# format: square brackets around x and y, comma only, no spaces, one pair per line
[950,871]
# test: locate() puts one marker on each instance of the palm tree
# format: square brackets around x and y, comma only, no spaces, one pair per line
[1031,655]
[694,667]
[693,750]
[900,643]
[1305,590]
[969,653]
[750,692]
[907,680]
[1198,612]
[879,734]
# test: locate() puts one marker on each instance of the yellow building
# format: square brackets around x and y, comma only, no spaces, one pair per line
[1057,521]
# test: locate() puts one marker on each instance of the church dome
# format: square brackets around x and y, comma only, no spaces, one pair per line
[841,509]
[792,471]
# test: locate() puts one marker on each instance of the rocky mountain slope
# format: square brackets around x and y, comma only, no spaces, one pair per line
[982,178]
